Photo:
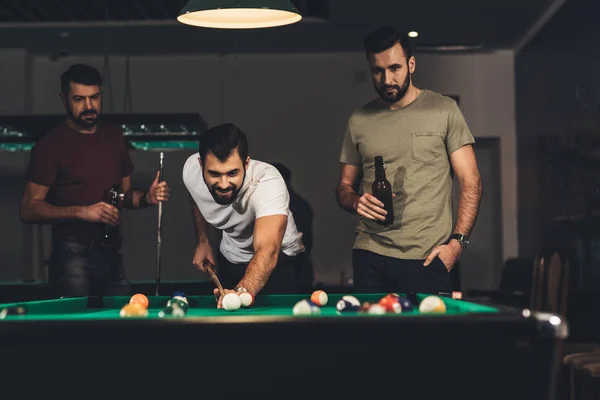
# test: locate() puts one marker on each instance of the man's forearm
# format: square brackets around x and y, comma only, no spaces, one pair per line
[135,199]
[200,224]
[41,212]
[347,197]
[259,269]
[468,205]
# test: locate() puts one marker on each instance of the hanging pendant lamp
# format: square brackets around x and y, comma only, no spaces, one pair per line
[239,14]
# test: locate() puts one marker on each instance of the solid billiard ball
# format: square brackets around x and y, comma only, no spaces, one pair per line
[140,299]
[432,304]
[364,308]
[246,298]
[319,297]
[133,310]
[306,307]
[348,303]
[231,302]
[405,303]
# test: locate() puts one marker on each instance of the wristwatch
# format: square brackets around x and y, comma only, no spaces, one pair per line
[241,289]
[463,240]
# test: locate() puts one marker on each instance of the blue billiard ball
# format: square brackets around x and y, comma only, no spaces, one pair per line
[405,303]
[348,303]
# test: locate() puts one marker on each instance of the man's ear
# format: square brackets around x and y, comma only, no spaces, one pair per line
[247,162]
[412,64]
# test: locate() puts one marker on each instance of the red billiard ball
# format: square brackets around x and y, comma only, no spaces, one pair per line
[391,304]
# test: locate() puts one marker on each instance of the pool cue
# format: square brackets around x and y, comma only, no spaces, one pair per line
[159,239]
[215,279]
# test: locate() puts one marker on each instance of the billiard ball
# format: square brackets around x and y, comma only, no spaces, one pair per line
[139,298]
[376,309]
[246,298]
[348,303]
[173,310]
[319,297]
[179,302]
[405,303]
[133,310]
[306,307]
[432,304]
[364,307]
[391,304]
[231,302]
[182,298]
[13,311]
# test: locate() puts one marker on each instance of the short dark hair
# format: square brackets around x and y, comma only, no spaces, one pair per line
[82,74]
[385,38]
[222,140]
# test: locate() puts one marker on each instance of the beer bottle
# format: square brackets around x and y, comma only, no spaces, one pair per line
[111,232]
[382,190]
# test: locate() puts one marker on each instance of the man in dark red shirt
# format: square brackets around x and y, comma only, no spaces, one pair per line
[71,171]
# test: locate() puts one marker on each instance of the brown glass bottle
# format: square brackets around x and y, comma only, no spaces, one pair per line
[382,190]
[111,232]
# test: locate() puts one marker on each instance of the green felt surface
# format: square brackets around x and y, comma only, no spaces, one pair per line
[205,306]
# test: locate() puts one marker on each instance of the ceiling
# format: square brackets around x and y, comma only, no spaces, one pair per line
[62,27]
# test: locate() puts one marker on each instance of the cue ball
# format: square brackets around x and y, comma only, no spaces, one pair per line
[306,307]
[319,297]
[231,302]
[432,304]
[247,299]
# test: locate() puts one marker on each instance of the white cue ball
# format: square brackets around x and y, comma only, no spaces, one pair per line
[305,307]
[231,302]
[247,299]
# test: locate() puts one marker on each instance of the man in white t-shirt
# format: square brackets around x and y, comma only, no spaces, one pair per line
[248,201]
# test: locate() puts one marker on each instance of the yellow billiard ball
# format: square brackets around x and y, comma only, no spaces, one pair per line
[432,304]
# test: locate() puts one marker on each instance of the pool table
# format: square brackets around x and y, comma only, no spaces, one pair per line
[474,350]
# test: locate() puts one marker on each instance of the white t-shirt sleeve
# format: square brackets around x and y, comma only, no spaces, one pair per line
[270,198]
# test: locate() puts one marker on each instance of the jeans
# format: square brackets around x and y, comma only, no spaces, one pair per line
[83,267]
[285,278]
[374,273]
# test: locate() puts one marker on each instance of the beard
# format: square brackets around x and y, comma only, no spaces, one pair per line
[230,193]
[87,119]
[394,96]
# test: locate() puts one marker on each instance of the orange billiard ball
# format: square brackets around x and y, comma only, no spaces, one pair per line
[133,310]
[139,298]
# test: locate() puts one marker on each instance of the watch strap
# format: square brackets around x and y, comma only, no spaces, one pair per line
[463,240]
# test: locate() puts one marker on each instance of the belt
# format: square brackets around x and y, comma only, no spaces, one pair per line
[90,242]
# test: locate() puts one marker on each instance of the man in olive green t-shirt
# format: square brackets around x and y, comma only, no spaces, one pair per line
[422,137]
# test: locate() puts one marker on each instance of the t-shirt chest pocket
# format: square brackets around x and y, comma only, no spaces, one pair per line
[427,147]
